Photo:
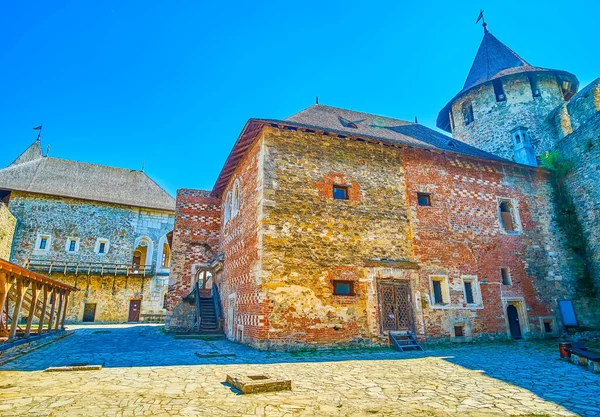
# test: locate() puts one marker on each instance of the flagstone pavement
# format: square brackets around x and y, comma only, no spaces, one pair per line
[147,372]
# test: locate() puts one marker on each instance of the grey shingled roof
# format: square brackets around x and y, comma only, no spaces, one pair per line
[33,173]
[368,125]
[494,60]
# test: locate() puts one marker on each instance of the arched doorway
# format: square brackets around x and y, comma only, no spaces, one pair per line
[513,321]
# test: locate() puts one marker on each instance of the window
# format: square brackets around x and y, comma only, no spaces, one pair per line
[424,199]
[508,216]
[471,290]
[535,89]
[102,246]
[499,90]
[165,296]
[506,279]
[469,293]
[72,244]
[547,326]
[235,199]
[166,256]
[459,330]
[467,110]
[440,292]
[227,208]
[42,243]
[343,287]
[340,192]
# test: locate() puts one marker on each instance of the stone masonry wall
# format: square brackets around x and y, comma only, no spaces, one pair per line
[460,236]
[61,218]
[493,120]
[8,223]
[195,240]
[581,147]
[311,239]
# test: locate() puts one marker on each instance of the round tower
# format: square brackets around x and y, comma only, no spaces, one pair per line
[504,103]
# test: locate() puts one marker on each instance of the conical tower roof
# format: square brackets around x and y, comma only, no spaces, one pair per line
[494,60]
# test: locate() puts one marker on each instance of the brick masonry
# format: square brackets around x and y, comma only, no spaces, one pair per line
[291,240]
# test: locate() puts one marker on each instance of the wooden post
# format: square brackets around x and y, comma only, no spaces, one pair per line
[5,286]
[44,306]
[35,288]
[62,322]
[59,311]
[21,290]
[53,309]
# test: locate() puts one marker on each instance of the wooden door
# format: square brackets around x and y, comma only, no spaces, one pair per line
[395,306]
[513,321]
[89,312]
[134,310]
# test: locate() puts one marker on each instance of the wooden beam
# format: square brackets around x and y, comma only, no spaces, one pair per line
[35,289]
[62,322]
[53,309]
[22,287]
[44,306]
[59,311]
[6,284]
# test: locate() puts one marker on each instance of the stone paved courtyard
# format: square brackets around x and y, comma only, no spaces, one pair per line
[149,373]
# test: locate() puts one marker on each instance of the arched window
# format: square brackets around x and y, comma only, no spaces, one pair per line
[227,207]
[235,202]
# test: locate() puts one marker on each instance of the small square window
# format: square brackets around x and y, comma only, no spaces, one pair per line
[509,220]
[506,279]
[343,288]
[424,199]
[459,331]
[547,327]
[340,192]
[43,242]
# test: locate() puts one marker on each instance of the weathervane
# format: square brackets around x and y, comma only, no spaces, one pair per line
[482,19]
[39,138]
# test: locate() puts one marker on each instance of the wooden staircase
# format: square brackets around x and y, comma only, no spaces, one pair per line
[208,322]
[403,341]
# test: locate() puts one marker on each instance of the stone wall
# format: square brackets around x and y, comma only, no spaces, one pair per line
[195,241]
[493,120]
[8,223]
[62,218]
[581,148]
[310,239]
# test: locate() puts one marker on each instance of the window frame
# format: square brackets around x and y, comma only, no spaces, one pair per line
[106,246]
[38,242]
[425,195]
[352,292]
[467,112]
[444,291]
[475,290]
[346,189]
[508,275]
[235,198]
[72,239]
[516,219]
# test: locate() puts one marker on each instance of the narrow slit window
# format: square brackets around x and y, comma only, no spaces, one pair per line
[424,199]
[102,247]
[467,110]
[437,292]
[499,90]
[43,242]
[72,245]
[340,192]
[459,331]
[535,89]
[507,216]
[506,279]
[469,293]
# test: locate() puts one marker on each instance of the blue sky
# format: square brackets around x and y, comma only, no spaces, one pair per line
[173,83]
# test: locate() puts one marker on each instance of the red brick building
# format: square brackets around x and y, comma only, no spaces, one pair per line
[336,227]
